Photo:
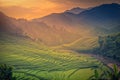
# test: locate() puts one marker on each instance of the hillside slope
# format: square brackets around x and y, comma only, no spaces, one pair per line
[40,31]
[65,28]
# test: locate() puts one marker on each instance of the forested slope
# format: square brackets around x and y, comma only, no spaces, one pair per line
[110,46]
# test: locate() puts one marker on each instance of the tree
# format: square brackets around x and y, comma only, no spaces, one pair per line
[6,72]
[110,74]
[114,74]
[109,46]
[96,75]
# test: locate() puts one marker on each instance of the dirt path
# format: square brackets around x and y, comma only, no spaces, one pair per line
[108,61]
[105,60]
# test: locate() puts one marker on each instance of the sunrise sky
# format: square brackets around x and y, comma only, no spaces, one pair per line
[30,9]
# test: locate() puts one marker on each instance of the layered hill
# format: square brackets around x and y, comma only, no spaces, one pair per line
[104,17]
[76,10]
[39,31]
[101,18]
[67,27]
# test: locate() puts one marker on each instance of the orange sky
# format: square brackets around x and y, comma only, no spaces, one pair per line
[30,9]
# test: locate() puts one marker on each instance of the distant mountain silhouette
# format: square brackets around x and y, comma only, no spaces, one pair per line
[66,27]
[105,16]
[7,24]
[76,10]
[38,31]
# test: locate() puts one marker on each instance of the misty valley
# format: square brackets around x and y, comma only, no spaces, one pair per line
[77,44]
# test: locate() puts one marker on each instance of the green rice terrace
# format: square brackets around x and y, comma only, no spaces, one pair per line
[34,62]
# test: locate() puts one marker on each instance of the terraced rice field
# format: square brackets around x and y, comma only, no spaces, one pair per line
[34,62]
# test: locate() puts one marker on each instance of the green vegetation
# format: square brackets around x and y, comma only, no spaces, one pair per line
[33,61]
[96,75]
[110,46]
[82,44]
[6,72]
[107,74]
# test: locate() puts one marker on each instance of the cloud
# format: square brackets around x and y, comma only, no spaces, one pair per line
[84,3]
[38,8]
[16,11]
[29,13]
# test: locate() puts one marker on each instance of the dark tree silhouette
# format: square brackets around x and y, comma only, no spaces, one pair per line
[6,72]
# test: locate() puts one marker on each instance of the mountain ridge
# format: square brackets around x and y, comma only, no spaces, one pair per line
[66,27]
[76,10]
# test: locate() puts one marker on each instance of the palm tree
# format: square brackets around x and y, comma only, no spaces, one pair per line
[96,75]
[114,74]
[5,72]
[110,74]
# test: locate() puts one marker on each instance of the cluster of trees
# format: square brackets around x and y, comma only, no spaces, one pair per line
[6,72]
[110,46]
[107,74]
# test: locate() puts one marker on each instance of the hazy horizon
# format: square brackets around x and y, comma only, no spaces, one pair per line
[78,44]
[38,8]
